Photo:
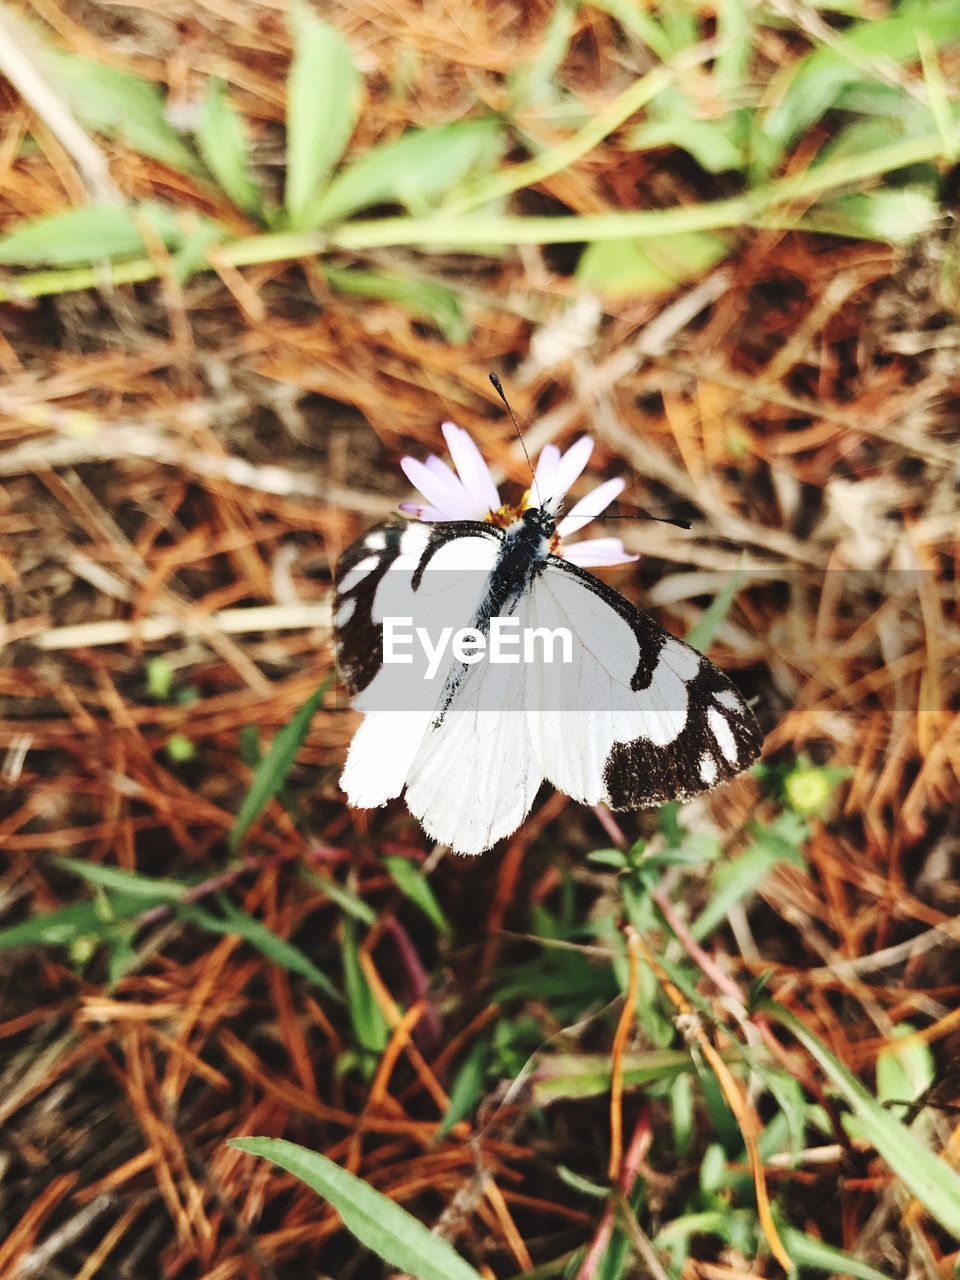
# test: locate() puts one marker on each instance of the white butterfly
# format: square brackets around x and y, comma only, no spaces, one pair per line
[625,714]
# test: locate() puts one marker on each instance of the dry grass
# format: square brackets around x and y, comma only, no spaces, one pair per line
[173,454]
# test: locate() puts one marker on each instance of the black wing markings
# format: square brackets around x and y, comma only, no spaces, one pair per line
[641,773]
[358,639]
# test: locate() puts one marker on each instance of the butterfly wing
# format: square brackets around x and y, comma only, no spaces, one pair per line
[475,775]
[638,717]
[635,717]
[433,577]
[360,575]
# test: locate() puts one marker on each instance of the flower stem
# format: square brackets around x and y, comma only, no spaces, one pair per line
[766,206]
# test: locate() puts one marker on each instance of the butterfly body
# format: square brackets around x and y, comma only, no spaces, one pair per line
[633,718]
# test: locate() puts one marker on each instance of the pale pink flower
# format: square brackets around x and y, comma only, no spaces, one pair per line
[469,493]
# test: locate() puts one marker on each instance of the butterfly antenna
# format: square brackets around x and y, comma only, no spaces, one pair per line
[500,392]
[645,515]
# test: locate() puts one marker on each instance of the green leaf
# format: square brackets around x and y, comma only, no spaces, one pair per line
[190,255]
[267,942]
[638,21]
[413,170]
[780,840]
[120,105]
[938,94]
[876,120]
[735,880]
[272,771]
[579,1183]
[808,1251]
[369,1025]
[615,858]
[729,1224]
[679,20]
[682,1114]
[620,268]
[931,1180]
[584,1075]
[221,140]
[424,298]
[381,1225]
[179,748]
[693,850]
[814,83]
[80,919]
[535,78]
[904,1071]
[350,903]
[323,98]
[411,881]
[735,50]
[126,882]
[705,140]
[467,1088]
[89,234]
[702,632]
[891,215]
[159,678]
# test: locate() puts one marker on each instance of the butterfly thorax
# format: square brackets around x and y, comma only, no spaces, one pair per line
[526,547]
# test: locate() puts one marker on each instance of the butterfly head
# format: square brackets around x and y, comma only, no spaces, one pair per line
[540,520]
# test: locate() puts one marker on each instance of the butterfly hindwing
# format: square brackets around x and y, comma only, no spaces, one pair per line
[639,717]
[475,775]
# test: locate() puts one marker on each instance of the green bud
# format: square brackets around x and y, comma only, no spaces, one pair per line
[808,789]
[179,748]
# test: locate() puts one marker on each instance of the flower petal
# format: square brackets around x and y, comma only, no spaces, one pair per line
[542,488]
[422,511]
[446,475]
[471,467]
[571,465]
[593,553]
[439,491]
[590,506]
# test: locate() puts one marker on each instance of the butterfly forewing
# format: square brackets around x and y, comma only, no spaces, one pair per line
[433,574]
[360,571]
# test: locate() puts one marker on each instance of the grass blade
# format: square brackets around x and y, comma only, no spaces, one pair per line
[79,920]
[585,1075]
[808,1251]
[268,943]
[388,1230]
[369,1025]
[423,298]
[273,768]
[411,881]
[931,1180]
[702,632]
[125,882]
[816,81]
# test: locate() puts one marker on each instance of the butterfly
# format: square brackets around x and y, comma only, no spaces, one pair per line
[602,703]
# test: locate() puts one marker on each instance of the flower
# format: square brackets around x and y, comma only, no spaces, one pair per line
[469,493]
